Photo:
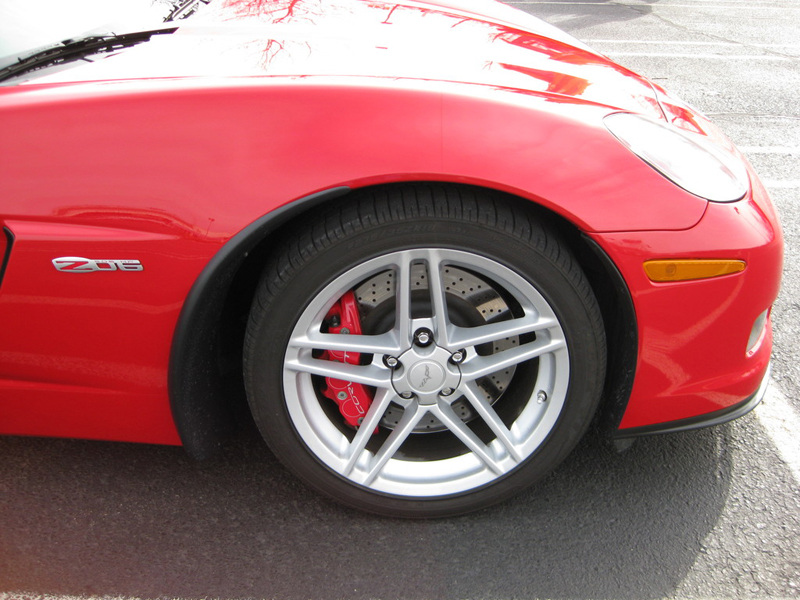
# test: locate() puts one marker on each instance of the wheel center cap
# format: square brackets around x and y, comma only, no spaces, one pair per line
[425,373]
[426,376]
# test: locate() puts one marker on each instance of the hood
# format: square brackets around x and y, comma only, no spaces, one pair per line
[465,41]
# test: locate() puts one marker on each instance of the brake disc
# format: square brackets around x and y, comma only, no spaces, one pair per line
[479,297]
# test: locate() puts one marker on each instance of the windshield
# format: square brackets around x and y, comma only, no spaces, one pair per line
[29,24]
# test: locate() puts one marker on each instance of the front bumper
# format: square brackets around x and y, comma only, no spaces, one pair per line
[707,420]
[694,367]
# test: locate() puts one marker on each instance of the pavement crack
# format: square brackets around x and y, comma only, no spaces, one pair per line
[751,114]
[711,36]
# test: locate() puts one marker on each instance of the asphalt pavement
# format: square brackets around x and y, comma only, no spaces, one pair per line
[706,514]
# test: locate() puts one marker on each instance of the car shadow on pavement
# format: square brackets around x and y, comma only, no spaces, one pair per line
[95,518]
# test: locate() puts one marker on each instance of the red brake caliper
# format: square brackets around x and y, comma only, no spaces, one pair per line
[354,399]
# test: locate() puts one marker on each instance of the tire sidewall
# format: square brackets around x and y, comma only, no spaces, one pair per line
[562,289]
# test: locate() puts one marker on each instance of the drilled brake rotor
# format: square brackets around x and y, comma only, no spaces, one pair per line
[476,296]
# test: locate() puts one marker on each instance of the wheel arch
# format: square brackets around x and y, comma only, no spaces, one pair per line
[205,357]
[195,378]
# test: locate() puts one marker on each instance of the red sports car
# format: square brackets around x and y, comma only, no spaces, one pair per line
[433,241]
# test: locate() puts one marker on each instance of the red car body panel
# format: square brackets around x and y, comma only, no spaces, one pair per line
[163,152]
[693,335]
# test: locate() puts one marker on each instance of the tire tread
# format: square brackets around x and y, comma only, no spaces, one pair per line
[378,208]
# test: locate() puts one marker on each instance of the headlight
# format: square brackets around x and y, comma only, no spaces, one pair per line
[690,161]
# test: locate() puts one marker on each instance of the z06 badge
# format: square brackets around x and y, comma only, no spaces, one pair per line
[76,264]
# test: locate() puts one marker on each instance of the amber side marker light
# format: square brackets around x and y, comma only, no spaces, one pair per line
[687,270]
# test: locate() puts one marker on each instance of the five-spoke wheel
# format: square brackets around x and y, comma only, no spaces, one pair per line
[424,366]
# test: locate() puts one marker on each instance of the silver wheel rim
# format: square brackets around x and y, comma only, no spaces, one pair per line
[383,469]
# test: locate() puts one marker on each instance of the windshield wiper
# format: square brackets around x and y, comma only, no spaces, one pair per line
[72,50]
[185,9]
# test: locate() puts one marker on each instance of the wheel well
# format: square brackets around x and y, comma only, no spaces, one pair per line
[213,368]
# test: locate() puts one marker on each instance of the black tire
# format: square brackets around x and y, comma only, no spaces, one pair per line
[501,271]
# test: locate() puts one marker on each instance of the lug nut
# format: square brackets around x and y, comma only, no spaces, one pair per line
[406,395]
[458,357]
[423,337]
[391,362]
[447,392]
